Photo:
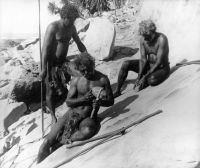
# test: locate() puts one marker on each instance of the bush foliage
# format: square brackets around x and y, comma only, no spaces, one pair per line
[91,5]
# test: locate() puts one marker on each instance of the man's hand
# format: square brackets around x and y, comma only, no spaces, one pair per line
[140,84]
[89,96]
[42,75]
[96,103]
[137,82]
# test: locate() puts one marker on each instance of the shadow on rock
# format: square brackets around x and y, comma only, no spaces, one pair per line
[124,86]
[32,127]
[121,52]
[118,109]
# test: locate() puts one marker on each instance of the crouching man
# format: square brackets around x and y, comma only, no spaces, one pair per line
[153,67]
[88,91]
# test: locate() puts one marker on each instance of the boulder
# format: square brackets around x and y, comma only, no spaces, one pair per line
[98,39]
[82,25]
[19,77]
[26,88]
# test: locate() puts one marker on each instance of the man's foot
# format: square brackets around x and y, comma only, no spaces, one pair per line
[116,94]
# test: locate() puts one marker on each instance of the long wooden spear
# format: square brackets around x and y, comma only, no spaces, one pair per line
[42,112]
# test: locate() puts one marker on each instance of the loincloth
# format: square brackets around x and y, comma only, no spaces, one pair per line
[70,126]
[58,78]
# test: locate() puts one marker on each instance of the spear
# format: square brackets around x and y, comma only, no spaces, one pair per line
[42,111]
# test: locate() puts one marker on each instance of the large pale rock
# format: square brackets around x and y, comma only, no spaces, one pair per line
[98,39]
[10,113]
[82,25]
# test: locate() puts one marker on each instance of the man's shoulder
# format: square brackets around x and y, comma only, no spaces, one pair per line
[162,37]
[53,26]
[74,80]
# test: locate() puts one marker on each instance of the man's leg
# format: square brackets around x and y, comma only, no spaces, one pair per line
[51,140]
[50,102]
[87,129]
[129,65]
[158,76]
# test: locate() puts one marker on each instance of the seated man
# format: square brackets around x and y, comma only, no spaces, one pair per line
[80,122]
[153,67]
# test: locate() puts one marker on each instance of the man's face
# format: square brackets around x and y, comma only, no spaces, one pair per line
[66,21]
[87,72]
[147,36]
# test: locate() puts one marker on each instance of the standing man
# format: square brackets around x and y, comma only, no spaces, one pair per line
[153,67]
[80,121]
[54,52]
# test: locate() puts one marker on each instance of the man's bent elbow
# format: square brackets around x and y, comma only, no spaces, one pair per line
[68,103]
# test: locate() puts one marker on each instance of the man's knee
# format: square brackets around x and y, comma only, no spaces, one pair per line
[88,127]
[88,132]
[153,81]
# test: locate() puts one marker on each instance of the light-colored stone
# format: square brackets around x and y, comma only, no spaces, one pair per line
[82,25]
[98,39]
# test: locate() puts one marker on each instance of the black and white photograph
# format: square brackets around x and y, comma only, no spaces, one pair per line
[99,83]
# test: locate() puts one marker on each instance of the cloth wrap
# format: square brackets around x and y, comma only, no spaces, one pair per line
[58,77]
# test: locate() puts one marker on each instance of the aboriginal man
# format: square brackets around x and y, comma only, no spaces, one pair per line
[80,121]
[153,67]
[54,52]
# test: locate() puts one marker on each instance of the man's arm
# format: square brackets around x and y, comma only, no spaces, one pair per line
[72,96]
[143,60]
[109,99]
[46,48]
[76,38]
[160,54]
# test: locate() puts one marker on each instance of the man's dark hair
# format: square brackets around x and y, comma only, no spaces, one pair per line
[69,11]
[84,60]
[146,26]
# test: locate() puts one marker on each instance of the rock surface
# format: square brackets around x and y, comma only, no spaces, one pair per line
[98,39]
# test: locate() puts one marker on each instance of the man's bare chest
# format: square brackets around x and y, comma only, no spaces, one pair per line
[151,48]
[84,85]
[63,36]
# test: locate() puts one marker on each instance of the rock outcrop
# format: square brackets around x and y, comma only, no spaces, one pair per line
[98,39]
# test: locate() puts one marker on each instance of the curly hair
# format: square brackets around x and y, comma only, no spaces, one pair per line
[84,61]
[69,11]
[146,26]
